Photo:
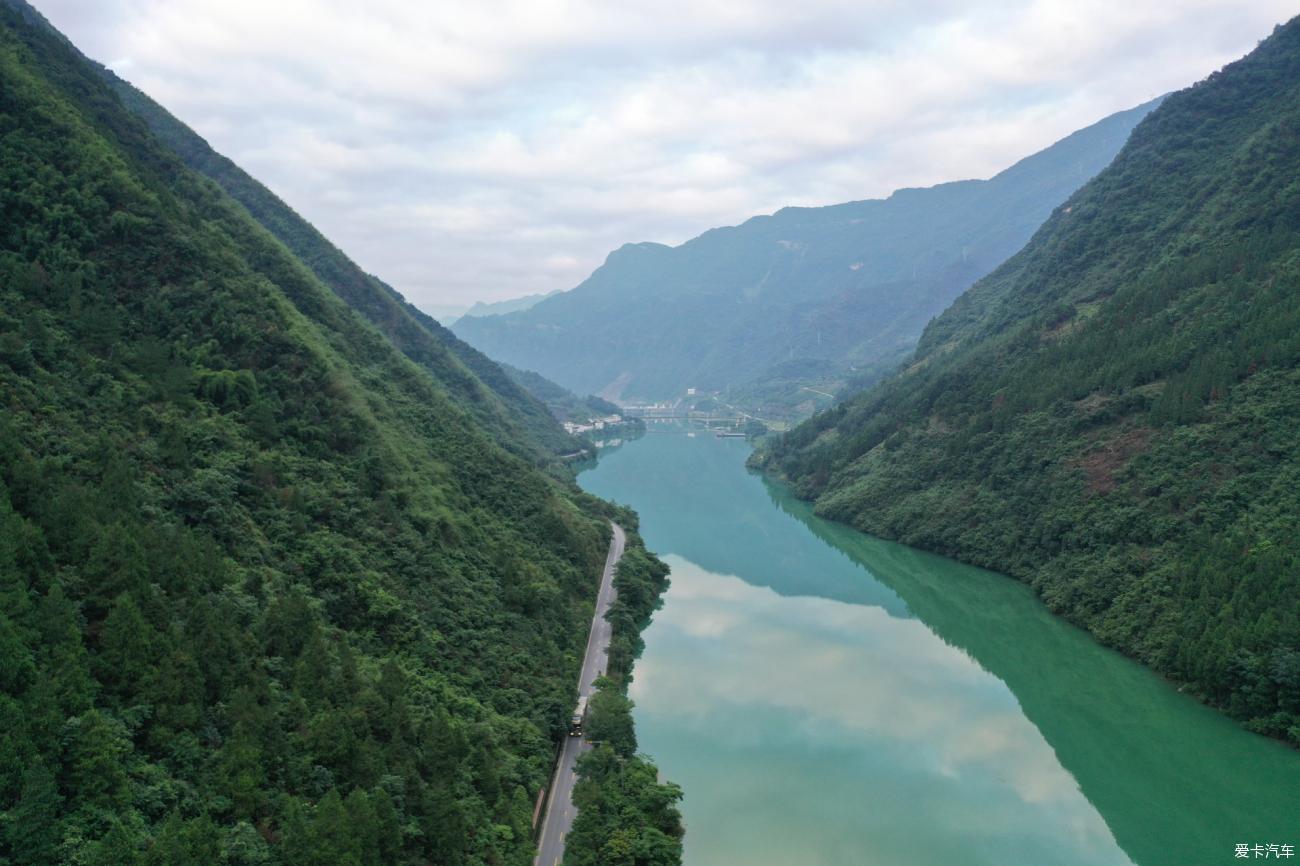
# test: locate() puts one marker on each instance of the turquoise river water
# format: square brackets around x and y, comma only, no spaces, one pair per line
[830,699]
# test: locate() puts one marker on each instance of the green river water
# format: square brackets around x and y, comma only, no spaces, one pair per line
[830,699]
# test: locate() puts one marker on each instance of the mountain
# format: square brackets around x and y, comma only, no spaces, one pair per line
[563,403]
[804,298]
[518,422]
[498,308]
[1113,415]
[273,590]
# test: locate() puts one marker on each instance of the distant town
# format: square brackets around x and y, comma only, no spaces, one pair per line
[574,429]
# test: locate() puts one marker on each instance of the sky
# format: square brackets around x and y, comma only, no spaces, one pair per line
[488,149]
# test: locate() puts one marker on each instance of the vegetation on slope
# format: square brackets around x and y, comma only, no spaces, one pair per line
[1113,415]
[518,422]
[270,594]
[626,816]
[803,298]
[563,403]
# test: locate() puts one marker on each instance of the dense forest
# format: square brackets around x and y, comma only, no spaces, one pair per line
[274,592]
[517,422]
[563,403]
[1114,415]
[802,298]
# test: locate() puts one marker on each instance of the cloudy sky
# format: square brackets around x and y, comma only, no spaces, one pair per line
[486,149]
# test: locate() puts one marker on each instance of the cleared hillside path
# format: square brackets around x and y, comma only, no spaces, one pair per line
[559,808]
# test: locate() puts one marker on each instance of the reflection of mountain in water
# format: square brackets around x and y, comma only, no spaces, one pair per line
[814,732]
[1176,782]
[725,524]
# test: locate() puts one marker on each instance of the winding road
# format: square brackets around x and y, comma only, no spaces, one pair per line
[559,809]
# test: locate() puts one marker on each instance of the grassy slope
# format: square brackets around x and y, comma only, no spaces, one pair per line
[1112,416]
[271,594]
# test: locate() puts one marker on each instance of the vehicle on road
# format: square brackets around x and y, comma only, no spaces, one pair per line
[579,717]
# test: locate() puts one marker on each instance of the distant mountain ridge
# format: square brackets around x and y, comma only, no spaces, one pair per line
[800,297]
[1113,416]
[500,308]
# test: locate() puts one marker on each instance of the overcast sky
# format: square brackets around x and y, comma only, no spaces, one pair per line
[485,150]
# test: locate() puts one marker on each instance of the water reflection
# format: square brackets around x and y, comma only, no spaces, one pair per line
[1176,781]
[837,734]
[831,698]
[697,500]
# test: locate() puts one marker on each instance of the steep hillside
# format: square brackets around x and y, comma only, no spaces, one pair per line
[517,421]
[1114,415]
[563,403]
[804,297]
[271,593]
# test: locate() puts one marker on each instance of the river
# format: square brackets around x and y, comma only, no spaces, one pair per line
[830,699]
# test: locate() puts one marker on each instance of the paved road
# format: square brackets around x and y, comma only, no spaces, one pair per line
[559,811]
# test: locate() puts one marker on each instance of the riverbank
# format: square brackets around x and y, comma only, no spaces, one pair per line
[619,801]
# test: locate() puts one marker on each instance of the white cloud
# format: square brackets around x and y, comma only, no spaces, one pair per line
[483,150]
[885,687]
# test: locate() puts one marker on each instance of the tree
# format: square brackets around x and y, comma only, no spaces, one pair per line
[63,659]
[242,845]
[116,564]
[33,827]
[127,651]
[196,842]
[119,846]
[609,718]
[17,670]
[95,764]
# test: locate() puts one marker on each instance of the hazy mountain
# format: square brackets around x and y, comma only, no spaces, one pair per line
[498,308]
[1114,415]
[806,296]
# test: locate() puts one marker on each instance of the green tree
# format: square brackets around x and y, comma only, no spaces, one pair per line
[63,659]
[609,718]
[116,564]
[17,669]
[96,750]
[119,846]
[33,827]
[196,842]
[127,649]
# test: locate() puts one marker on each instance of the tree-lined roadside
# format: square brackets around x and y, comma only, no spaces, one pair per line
[559,808]
[608,805]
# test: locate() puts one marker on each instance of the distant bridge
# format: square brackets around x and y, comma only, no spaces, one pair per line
[679,415]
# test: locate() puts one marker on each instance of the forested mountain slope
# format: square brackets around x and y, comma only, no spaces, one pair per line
[563,403]
[806,296]
[271,594]
[518,422]
[1114,415]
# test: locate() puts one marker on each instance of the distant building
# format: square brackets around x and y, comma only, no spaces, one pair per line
[593,424]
